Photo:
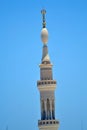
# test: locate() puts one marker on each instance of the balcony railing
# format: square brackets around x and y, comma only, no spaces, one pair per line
[45,82]
[47,122]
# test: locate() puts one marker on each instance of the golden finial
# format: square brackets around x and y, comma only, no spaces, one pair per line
[43,12]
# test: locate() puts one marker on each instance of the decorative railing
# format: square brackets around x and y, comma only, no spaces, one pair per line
[46,82]
[47,122]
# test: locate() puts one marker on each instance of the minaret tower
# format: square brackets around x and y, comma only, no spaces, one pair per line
[46,86]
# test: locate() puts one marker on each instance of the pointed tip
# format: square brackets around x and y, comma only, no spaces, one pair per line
[43,11]
[7,127]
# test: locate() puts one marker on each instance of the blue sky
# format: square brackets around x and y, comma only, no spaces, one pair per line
[20,55]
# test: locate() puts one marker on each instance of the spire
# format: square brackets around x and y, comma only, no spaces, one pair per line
[45,55]
[44,38]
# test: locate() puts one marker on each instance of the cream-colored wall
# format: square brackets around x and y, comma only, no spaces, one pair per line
[46,74]
[47,94]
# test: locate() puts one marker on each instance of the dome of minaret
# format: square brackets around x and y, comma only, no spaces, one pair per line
[44,35]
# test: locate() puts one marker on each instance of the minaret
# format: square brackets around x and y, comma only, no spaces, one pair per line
[46,86]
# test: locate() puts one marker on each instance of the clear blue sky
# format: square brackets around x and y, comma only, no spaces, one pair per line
[20,55]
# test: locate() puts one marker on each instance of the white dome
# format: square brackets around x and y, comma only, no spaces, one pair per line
[44,35]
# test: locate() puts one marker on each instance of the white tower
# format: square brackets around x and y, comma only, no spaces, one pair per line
[46,86]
